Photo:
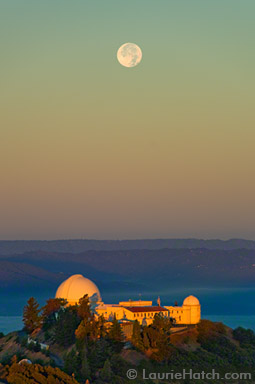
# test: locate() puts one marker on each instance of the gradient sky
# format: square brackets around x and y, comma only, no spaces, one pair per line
[90,149]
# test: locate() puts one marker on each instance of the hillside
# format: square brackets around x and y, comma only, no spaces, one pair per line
[153,267]
[203,347]
[25,275]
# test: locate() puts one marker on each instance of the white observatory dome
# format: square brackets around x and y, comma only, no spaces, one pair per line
[75,287]
[191,300]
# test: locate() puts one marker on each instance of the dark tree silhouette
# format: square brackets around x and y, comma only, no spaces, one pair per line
[116,336]
[136,336]
[31,317]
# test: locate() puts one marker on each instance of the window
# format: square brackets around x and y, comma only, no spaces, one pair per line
[180,318]
[134,315]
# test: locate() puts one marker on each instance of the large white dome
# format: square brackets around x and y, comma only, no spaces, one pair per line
[191,300]
[75,287]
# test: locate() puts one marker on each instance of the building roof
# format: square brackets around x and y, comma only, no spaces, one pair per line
[146,309]
[191,300]
[135,303]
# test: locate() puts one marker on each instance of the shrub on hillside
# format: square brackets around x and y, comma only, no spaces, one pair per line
[29,373]
[245,337]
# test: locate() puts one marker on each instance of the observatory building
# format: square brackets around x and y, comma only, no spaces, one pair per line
[76,286]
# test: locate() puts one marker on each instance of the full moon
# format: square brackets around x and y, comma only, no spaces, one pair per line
[129,55]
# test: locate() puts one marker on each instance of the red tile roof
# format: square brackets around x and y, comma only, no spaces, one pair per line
[146,309]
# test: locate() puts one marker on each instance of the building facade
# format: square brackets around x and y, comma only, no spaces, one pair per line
[188,313]
[144,314]
[76,286]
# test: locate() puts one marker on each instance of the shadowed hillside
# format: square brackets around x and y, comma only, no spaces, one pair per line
[161,268]
[23,274]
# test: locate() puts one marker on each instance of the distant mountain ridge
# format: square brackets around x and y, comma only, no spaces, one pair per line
[8,247]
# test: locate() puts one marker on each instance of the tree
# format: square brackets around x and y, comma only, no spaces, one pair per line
[84,308]
[136,336]
[85,368]
[101,326]
[52,306]
[65,327]
[152,335]
[162,325]
[244,336]
[71,362]
[115,332]
[31,317]
[82,331]
[116,336]
[88,330]
[106,373]
[146,341]
[99,351]
[49,312]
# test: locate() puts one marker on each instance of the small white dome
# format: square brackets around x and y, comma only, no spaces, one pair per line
[191,300]
[75,287]
[25,361]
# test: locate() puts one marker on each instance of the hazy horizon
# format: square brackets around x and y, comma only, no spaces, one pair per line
[130,239]
[92,149]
